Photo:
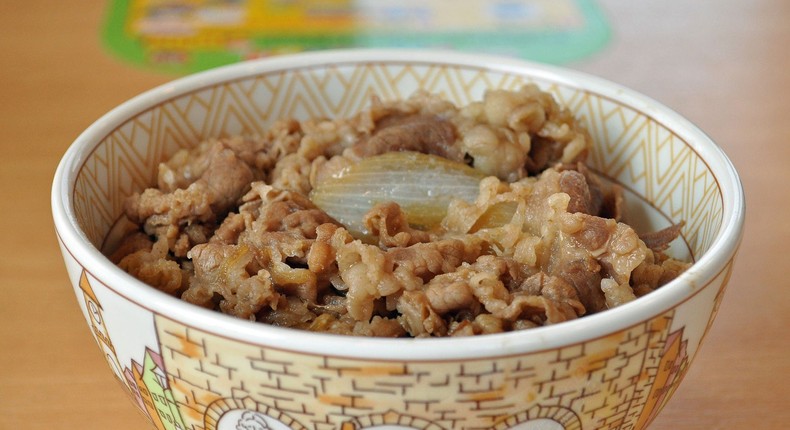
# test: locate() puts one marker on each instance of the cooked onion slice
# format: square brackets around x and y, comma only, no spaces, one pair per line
[495,216]
[423,185]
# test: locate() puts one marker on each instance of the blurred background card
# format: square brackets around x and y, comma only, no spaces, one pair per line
[183,36]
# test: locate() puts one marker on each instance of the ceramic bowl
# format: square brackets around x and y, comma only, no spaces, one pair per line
[191,368]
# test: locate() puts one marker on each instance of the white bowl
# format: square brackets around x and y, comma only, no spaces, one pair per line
[189,367]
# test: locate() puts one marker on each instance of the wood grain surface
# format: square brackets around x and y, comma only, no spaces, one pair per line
[724,64]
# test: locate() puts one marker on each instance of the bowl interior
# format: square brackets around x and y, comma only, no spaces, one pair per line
[666,179]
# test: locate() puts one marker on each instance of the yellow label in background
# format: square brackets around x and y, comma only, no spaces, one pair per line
[188,35]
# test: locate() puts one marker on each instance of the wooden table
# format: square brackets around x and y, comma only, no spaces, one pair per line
[723,64]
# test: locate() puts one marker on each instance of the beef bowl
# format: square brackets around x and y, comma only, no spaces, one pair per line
[224,282]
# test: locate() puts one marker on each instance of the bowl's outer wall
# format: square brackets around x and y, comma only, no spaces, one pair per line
[212,381]
[187,375]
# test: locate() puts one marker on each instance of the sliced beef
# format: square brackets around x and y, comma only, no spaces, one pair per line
[660,240]
[231,226]
[429,134]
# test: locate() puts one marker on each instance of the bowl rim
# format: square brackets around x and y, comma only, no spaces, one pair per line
[710,265]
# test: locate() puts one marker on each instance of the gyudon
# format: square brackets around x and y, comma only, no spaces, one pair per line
[412,218]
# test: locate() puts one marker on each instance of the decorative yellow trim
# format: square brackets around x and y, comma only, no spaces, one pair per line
[87,289]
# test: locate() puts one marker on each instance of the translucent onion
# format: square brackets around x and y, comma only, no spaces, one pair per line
[495,216]
[423,185]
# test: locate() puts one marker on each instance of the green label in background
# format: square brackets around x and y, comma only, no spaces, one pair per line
[184,36]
